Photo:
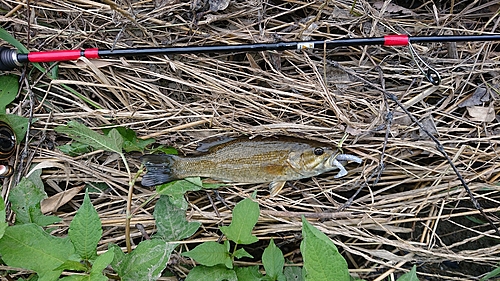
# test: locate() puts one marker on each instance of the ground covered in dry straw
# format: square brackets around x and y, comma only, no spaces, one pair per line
[412,211]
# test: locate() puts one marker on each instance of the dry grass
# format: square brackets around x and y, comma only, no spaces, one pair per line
[416,213]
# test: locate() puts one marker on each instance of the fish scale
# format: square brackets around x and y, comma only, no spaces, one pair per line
[245,168]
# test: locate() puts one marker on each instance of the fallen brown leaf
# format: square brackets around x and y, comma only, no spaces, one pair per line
[53,203]
[481,113]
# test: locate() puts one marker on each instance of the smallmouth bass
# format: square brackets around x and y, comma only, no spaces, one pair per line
[257,160]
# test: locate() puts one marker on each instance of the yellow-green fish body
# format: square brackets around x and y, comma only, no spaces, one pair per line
[243,160]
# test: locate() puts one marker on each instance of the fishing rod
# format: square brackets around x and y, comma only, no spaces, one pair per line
[10,59]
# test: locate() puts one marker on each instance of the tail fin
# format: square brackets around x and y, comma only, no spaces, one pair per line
[159,169]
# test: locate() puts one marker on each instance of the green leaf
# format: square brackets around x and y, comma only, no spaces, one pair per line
[96,187]
[273,261]
[248,273]
[86,277]
[100,263]
[54,70]
[494,273]
[12,41]
[293,273]
[117,140]
[210,253]
[81,133]
[165,150]
[176,189]
[241,253]
[36,177]
[25,199]
[214,273]
[74,149]
[245,216]
[72,265]
[213,185]
[322,260]
[171,221]
[29,246]
[3,223]
[409,276]
[180,187]
[475,220]
[18,123]
[119,255]
[130,140]
[85,230]
[145,262]
[8,90]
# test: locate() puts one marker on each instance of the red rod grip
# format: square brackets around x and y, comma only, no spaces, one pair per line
[91,53]
[62,55]
[396,40]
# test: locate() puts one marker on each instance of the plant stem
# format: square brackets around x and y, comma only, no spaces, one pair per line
[131,184]
[234,251]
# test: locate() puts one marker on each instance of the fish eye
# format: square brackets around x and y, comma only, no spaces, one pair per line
[318,151]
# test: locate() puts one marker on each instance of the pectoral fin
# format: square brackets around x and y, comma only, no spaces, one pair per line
[275,187]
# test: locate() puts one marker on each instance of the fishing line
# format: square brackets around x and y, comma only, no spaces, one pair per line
[439,146]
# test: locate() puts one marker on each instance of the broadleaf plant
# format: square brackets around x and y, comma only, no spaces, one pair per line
[3,223]
[74,148]
[211,255]
[81,133]
[8,90]
[293,273]
[245,216]
[95,273]
[130,140]
[25,200]
[171,223]
[212,273]
[29,246]
[176,190]
[85,230]
[248,273]
[322,260]
[409,276]
[145,262]
[273,262]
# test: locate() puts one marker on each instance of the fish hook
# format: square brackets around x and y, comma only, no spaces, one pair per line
[431,74]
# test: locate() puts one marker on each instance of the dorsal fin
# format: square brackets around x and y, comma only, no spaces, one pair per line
[211,146]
